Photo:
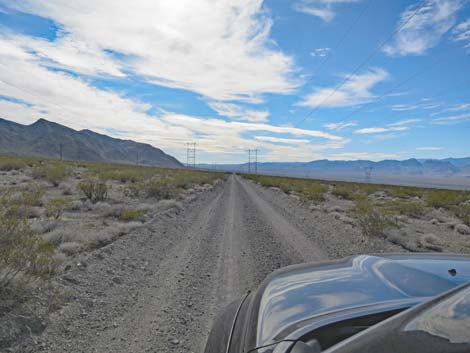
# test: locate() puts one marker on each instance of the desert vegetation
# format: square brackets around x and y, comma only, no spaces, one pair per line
[51,210]
[417,219]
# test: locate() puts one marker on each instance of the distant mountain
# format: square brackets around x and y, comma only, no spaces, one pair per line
[48,139]
[357,168]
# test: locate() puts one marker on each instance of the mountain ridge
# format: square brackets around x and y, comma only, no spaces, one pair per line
[446,167]
[49,139]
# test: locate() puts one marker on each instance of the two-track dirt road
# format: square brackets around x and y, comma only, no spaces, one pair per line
[158,289]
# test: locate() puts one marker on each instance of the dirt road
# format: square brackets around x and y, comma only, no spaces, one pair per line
[158,289]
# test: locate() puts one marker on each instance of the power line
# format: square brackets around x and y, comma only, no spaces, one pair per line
[394,88]
[341,40]
[363,63]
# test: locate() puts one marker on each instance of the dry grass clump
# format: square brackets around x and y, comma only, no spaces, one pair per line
[131,214]
[170,203]
[94,190]
[70,248]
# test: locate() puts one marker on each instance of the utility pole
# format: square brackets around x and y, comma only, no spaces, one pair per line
[253,161]
[138,157]
[368,174]
[60,150]
[191,155]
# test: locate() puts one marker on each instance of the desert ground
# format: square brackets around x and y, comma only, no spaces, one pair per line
[137,259]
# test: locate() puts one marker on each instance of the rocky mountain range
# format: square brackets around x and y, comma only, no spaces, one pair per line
[442,168]
[51,140]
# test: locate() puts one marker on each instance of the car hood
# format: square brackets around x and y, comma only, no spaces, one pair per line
[298,298]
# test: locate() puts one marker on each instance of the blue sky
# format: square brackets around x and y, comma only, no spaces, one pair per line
[299,80]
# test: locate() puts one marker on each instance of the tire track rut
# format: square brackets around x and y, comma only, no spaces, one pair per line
[194,263]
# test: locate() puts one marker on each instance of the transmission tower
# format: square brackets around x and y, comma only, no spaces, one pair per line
[253,161]
[368,174]
[191,155]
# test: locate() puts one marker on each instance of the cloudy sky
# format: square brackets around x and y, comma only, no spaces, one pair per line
[299,80]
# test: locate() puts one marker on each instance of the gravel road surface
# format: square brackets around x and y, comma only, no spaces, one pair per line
[158,289]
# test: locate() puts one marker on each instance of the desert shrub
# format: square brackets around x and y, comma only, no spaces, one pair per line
[70,248]
[54,172]
[462,211]
[110,234]
[41,227]
[405,192]
[445,198]
[160,188]
[94,190]
[56,206]
[8,164]
[33,195]
[307,189]
[370,218]
[314,192]
[131,214]
[408,208]
[24,257]
[169,203]
[344,191]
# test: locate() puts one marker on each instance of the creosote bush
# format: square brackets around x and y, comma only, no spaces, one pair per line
[462,211]
[370,218]
[414,209]
[446,198]
[54,172]
[94,190]
[55,207]
[24,257]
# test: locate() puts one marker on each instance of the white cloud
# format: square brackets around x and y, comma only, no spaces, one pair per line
[219,49]
[404,107]
[459,107]
[405,122]
[357,90]
[429,148]
[340,125]
[426,28]
[320,8]
[400,125]
[320,52]
[377,130]
[462,33]
[37,92]
[351,156]
[238,112]
[281,140]
[70,54]
[451,120]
